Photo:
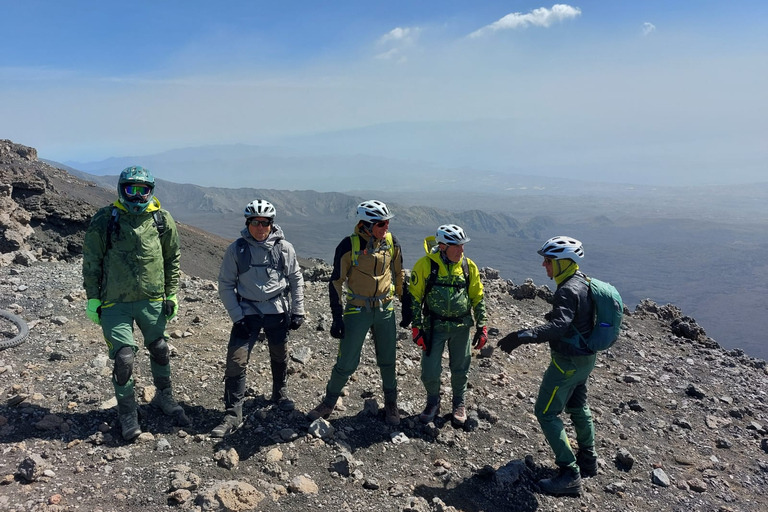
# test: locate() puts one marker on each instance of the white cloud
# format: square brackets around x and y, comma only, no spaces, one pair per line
[648,28]
[401,36]
[389,54]
[541,17]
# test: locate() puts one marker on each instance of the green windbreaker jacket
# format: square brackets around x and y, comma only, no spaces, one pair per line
[141,264]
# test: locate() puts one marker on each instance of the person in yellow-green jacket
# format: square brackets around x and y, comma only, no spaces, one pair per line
[131,274]
[445,292]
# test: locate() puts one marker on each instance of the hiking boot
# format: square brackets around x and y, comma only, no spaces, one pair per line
[279,388]
[164,401]
[429,413]
[459,414]
[321,411]
[587,462]
[391,413]
[280,397]
[129,423]
[566,482]
[227,426]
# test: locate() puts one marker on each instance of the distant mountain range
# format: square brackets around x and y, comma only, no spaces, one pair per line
[239,165]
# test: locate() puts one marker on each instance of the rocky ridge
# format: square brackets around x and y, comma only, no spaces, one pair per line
[682,424]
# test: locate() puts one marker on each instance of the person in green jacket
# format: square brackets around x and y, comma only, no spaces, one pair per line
[131,274]
[445,291]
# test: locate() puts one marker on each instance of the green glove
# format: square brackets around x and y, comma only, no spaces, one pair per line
[94,311]
[171,307]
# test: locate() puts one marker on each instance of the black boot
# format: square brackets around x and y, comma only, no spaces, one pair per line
[234,394]
[587,461]
[567,481]
[233,420]
[279,387]
[129,419]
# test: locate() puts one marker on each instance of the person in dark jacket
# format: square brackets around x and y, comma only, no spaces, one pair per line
[564,386]
[258,274]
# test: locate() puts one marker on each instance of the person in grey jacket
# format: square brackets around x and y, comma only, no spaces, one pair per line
[261,287]
[564,385]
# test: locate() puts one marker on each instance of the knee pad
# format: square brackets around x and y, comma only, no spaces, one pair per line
[159,351]
[123,366]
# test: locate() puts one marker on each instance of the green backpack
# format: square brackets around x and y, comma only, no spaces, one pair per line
[608,311]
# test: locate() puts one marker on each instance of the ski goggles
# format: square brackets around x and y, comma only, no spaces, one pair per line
[137,190]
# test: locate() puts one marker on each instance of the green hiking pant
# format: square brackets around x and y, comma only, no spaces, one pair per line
[564,387]
[459,358]
[357,322]
[117,321]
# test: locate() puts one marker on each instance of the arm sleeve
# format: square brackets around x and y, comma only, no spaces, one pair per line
[171,255]
[341,263]
[419,276]
[563,312]
[94,248]
[476,295]
[228,284]
[397,268]
[295,279]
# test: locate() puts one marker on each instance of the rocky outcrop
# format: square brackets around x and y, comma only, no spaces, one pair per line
[35,209]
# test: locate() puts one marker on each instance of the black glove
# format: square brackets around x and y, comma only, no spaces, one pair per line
[548,316]
[337,329]
[296,321]
[407,312]
[513,340]
[240,330]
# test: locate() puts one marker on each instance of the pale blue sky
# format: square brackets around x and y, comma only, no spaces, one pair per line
[635,91]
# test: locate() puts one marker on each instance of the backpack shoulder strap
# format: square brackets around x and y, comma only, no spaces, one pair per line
[112,226]
[391,245]
[276,260]
[159,219]
[434,268]
[465,269]
[355,239]
[243,255]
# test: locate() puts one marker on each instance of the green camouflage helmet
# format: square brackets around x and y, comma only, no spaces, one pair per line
[130,192]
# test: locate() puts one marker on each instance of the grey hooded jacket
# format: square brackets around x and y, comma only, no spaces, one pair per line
[261,289]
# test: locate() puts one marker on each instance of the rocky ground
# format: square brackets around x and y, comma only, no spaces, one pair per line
[682,424]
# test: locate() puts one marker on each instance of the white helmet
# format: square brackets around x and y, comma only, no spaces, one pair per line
[373,211]
[259,208]
[451,234]
[562,247]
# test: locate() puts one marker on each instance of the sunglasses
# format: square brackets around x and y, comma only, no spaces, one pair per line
[262,223]
[382,223]
[547,261]
[137,190]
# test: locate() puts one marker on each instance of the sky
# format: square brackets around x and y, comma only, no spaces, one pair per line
[636,91]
